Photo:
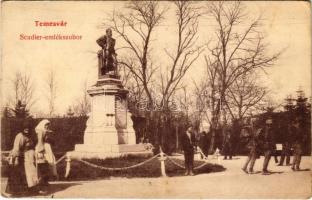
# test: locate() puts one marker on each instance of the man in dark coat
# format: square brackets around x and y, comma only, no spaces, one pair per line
[298,139]
[286,145]
[268,144]
[227,143]
[188,145]
[252,145]
[204,142]
[107,55]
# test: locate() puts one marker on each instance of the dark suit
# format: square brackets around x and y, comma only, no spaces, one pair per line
[188,143]
[297,138]
[286,146]
[204,142]
[268,145]
[252,146]
[227,144]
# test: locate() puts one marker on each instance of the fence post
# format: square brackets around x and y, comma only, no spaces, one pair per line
[67,159]
[162,163]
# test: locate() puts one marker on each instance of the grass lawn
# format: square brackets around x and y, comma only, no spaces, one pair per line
[81,171]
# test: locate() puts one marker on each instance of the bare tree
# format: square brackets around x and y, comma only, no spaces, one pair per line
[16,82]
[208,98]
[51,95]
[244,95]
[181,57]
[238,50]
[185,53]
[207,93]
[23,89]
[184,102]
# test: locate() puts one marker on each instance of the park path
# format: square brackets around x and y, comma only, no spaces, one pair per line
[231,183]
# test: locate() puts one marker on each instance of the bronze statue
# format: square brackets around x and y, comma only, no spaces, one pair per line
[107,55]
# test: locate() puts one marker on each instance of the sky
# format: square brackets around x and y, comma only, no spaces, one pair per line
[287,26]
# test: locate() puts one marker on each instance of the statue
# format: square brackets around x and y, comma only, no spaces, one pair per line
[107,55]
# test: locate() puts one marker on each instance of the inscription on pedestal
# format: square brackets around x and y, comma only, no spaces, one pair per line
[121,113]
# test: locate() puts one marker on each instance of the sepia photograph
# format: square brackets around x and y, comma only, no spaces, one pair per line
[156,99]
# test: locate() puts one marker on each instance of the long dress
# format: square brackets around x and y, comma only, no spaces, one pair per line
[45,158]
[22,171]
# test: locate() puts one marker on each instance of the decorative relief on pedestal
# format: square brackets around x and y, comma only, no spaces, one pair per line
[121,113]
[130,130]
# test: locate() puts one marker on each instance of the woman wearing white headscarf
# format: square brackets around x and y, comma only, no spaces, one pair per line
[45,159]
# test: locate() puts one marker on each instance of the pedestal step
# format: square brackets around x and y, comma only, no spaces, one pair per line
[110,151]
[115,148]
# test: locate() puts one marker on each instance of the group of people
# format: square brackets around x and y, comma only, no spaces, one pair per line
[260,141]
[31,161]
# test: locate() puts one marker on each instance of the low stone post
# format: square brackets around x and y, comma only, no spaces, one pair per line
[67,159]
[162,159]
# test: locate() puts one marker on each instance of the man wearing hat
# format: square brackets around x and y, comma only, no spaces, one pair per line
[297,138]
[227,142]
[252,134]
[286,146]
[268,142]
[188,145]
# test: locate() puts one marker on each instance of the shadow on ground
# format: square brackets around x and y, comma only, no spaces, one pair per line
[236,158]
[56,187]
[53,188]
[173,170]
[307,169]
[81,171]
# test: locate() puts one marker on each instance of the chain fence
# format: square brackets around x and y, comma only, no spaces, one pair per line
[60,159]
[175,163]
[116,168]
[160,155]
[181,166]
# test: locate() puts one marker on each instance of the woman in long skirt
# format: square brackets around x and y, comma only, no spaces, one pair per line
[44,156]
[22,170]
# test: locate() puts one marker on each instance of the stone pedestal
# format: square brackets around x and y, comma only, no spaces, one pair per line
[109,126]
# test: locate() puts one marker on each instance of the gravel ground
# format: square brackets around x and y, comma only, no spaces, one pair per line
[231,183]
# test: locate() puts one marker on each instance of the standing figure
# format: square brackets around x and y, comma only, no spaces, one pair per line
[252,145]
[44,156]
[286,145]
[22,170]
[107,55]
[298,139]
[188,145]
[227,143]
[204,143]
[268,144]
